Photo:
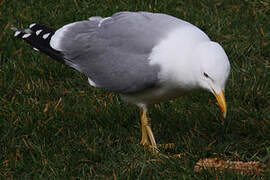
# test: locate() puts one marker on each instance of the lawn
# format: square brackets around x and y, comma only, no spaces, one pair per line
[53,124]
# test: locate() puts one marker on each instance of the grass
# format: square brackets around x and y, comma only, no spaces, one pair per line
[54,125]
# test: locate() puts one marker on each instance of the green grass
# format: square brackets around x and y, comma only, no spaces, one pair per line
[53,124]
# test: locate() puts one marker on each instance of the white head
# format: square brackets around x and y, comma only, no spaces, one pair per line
[190,60]
[214,69]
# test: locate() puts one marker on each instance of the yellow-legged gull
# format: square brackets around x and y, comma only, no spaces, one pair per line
[145,57]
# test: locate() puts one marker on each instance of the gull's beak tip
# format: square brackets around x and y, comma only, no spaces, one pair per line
[224,114]
[222,103]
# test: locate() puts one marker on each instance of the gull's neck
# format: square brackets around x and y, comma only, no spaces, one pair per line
[174,56]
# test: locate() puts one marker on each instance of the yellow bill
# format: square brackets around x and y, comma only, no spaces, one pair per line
[222,102]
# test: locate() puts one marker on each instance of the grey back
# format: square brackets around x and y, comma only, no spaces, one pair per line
[114,53]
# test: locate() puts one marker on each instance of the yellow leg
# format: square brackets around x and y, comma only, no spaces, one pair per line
[145,141]
[147,133]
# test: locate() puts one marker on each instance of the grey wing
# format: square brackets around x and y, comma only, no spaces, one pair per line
[113,52]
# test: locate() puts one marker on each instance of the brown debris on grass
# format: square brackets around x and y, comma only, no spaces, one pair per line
[214,164]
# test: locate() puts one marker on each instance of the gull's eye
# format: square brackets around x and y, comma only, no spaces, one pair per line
[206,75]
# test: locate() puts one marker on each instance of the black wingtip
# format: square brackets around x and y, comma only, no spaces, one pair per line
[39,37]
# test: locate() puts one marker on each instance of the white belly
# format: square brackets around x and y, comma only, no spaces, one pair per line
[153,95]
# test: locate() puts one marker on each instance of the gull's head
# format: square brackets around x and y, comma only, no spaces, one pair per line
[214,69]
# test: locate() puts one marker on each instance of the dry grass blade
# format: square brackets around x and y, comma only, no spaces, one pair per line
[251,167]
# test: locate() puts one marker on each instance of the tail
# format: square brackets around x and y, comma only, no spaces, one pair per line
[39,37]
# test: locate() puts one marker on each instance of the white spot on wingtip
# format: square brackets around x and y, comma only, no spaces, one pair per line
[26,35]
[17,33]
[35,49]
[45,36]
[38,32]
[32,25]
[14,28]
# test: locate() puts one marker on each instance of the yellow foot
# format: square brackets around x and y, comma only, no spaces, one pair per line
[147,146]
[148,139]
[151,149]
[145,142]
